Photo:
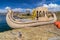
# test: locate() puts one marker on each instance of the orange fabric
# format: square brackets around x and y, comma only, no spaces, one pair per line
[57,24]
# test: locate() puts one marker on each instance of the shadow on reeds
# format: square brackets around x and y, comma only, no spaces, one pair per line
[4,27]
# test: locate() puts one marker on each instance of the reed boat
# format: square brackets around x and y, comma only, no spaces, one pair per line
[39,16]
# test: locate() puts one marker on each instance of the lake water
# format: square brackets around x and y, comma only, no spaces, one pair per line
[3,24]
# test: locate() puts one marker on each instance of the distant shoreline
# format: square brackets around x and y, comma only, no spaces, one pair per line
[3,14]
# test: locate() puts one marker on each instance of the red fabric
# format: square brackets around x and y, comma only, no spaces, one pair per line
[57,23]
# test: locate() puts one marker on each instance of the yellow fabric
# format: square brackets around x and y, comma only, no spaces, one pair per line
[33,14]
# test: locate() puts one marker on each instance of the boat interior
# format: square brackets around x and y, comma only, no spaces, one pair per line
[35,15]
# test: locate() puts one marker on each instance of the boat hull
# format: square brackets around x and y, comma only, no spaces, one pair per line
[20,25]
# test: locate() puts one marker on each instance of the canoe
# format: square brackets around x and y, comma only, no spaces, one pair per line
[19,23]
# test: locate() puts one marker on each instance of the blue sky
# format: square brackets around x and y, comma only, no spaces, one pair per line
[24,4]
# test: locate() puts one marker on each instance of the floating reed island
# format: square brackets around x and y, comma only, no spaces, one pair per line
[39,16]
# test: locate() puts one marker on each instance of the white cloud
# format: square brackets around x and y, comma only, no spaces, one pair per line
[7,7]
[52,7]
[4,10]
[20,9]
[15,10]
[45,5]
